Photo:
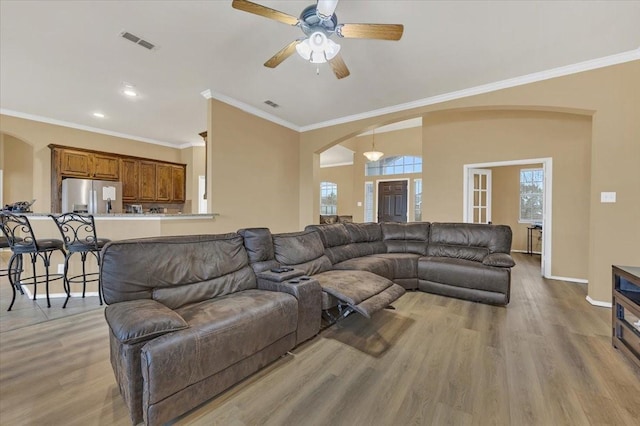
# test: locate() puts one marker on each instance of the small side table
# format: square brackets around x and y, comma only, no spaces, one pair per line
[530,230]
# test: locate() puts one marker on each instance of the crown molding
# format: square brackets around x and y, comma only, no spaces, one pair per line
[629,56]
[53,121]
[210,94]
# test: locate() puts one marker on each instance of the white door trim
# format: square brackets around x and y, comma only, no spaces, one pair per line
[547,166]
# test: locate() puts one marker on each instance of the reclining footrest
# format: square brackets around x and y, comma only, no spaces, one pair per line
[364,292]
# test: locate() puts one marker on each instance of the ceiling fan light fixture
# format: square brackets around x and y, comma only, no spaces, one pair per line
[318,48]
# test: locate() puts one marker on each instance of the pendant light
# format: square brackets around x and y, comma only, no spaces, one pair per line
[373,155]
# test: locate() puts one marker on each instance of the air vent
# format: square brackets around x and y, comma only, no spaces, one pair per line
[137,40]
[271,104]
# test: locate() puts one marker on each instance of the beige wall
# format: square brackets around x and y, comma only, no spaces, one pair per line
[254,171]
[505,204]
[611,95]
[16,158]
[453,139]
[344,177]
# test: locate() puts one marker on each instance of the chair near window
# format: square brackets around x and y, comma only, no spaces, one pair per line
[21,240]
[79,234]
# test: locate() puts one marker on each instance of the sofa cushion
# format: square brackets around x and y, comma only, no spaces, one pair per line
[301,250]
[403,265]
[459,240]
[363,232]
[222,332]
[258,243]
[377,265]
[155,267]
[464,273]
[331,235]
[406,237]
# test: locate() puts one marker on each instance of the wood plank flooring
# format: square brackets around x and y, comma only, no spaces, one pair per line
[546,359]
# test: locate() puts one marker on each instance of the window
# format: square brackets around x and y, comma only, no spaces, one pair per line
[531,195]
[417,201]
[328,198]
[368,201]
[397,165]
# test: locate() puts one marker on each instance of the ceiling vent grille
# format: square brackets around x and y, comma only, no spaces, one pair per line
[271,104]
[137,40]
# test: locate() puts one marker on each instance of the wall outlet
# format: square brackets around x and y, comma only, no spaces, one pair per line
[61,268]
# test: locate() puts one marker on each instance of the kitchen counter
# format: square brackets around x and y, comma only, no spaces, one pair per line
[136,216]
[121,226]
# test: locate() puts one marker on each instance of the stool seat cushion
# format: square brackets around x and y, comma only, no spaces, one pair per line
[81,246]
[43,245]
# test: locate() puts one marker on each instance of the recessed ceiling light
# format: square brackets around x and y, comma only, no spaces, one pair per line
[129,90]
[98,114]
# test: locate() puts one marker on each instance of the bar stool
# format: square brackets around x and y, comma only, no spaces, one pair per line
[11,271]
[79,235]
[13,226]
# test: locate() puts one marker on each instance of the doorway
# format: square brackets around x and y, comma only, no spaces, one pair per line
[547,166]
[393,201]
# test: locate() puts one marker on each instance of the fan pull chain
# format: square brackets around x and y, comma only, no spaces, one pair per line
[317,70]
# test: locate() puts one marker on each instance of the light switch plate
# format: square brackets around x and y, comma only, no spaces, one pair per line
[359,203]
[607,197]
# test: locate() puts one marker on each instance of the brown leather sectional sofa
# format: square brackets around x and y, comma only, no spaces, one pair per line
[190,316]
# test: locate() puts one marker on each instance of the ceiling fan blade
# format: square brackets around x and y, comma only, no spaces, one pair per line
[376,31]
[258,9]
[339,67]
[283,54]
[326,8]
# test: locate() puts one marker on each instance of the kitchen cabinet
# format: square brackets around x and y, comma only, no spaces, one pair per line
[143,179]
[178,179]
[147,181]
[88,165]
[163,182]
[130,177]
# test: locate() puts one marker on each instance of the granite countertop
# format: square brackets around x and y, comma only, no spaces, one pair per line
[137,216]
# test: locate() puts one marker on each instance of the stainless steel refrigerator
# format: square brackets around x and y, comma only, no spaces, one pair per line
[91,196]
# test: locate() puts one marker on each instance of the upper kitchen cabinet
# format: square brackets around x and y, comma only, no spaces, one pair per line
[148,183]
[73,163]
[178,179]
[163,182]
[130,177]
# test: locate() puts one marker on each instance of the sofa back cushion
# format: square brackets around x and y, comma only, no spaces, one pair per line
[259,245]
[467,240]
[406,237]
[176,270]
[301,250]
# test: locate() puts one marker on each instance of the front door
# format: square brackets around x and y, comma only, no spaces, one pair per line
[392,201]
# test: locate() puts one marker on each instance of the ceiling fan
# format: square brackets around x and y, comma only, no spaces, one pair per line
[319,22]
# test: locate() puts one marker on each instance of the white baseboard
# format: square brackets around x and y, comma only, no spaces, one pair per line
[599,303]
[43,295]
[569,279]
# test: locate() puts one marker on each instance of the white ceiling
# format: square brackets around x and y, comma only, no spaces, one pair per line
[62,60]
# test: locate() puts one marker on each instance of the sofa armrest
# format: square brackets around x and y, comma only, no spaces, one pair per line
[279,277]
[309,295]
[502,260]
[135,321]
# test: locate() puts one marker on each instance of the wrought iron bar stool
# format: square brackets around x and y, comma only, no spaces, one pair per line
[21,239]
[13,268]
[79,235]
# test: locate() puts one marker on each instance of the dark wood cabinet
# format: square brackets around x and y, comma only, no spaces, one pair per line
[626,311]
[75,163]
[147,181]
[143,179]
[163,182]
[178,179]
[105,167]
[130,177]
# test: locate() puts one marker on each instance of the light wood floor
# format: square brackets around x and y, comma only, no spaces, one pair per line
[546,359]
